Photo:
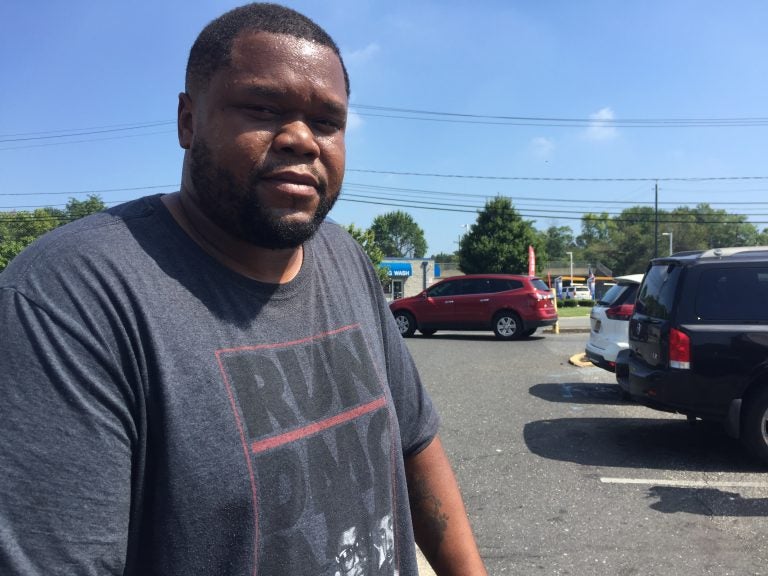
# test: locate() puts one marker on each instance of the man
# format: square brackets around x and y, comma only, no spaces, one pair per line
[210,382]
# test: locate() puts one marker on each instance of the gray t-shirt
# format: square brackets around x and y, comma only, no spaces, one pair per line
[161,414]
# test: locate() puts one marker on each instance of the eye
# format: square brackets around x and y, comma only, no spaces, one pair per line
[328,125]
[261,112]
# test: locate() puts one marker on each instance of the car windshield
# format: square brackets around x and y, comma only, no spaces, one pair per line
[619,294]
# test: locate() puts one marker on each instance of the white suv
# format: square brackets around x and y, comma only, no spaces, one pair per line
[577,292]
[609,322]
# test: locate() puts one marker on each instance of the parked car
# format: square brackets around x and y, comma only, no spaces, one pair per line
[609,322]
[577,292]
[698,340]
[512,306]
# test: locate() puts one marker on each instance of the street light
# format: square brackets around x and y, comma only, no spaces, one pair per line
[570,255]
[670,240]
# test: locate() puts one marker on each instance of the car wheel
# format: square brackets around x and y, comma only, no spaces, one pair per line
[754,426]
[427,332]
[406,323]
[507,326]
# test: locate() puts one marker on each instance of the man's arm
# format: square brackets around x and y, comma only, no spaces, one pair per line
[440,521]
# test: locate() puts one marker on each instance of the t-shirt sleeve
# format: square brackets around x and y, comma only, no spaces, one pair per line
[417,416]
[68,433]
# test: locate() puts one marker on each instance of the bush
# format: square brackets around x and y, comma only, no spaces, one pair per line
[586,303]
[569,303]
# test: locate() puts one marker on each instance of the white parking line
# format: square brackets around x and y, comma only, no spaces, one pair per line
[684,483]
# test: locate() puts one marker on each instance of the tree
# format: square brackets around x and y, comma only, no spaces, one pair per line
[398,235]
[446,258]
[367,241]
[557,240]
[498,241]
[19,228]
[625,243]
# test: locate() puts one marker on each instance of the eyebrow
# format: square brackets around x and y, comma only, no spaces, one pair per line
[271,93]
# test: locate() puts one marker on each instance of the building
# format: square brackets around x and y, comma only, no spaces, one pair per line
[409,276]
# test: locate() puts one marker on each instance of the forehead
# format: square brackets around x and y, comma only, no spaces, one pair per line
[284,62]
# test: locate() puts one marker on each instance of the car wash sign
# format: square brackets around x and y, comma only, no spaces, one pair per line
[397,269]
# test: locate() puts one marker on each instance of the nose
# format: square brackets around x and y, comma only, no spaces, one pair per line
[296,137]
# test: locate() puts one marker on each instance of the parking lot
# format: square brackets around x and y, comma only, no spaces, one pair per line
[561,476]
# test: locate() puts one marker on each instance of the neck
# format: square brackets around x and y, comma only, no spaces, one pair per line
[262,264]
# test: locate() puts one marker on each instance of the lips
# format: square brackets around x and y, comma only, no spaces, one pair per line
[292,178]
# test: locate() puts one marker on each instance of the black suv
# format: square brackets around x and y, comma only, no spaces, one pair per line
[698,340]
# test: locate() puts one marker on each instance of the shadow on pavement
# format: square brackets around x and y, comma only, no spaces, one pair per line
[706,502]
[579,393]
[652,443]
[475,336]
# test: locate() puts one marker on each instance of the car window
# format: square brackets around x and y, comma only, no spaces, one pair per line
[472,286]
[732,294]
[443,289]
[538,284]
[619,294]
[612,294]
[658,291]
[501,285]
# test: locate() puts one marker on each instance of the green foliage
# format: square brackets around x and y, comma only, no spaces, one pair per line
[367,241]
[446,258]
[625,243]
[398,235]
[569,303]
[498,241]
[19,228]
[557,240]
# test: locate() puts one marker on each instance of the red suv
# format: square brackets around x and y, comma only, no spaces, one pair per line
[510,305]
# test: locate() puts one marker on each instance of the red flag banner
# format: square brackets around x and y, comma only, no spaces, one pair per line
[531,261]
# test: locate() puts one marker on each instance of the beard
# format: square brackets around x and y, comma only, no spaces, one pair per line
[236,209]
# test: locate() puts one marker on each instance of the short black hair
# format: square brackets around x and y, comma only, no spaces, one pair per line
[213,48]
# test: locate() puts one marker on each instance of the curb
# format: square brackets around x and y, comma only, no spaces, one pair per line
[580,360]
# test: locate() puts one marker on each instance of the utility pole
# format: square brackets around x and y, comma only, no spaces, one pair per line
[656,227]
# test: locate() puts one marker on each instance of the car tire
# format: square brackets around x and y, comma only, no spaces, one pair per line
[507,325]
[406,323]
[427,331]
[754,425]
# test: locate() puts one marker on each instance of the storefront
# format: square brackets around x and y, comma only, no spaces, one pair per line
[408,277]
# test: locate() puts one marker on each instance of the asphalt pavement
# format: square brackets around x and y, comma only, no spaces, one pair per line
[566,325]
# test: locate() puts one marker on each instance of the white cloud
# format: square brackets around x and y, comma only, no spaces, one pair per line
[542,147]
[354,121]
[361,56]
[601,126]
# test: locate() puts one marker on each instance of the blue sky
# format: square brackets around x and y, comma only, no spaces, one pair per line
[82,67]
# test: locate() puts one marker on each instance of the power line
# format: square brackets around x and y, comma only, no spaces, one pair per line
[98,191]
[515,197]
[435,115]
[553,179]
[51,135]
[581,122]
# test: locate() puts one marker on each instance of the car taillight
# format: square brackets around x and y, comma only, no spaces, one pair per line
[679,350]
[620,312]
[540,300]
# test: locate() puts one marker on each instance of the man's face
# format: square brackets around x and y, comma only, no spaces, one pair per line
[352,558]
[266,140]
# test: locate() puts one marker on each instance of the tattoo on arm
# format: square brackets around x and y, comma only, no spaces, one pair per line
[428,518]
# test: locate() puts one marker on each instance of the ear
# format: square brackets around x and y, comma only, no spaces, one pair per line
[185,121]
